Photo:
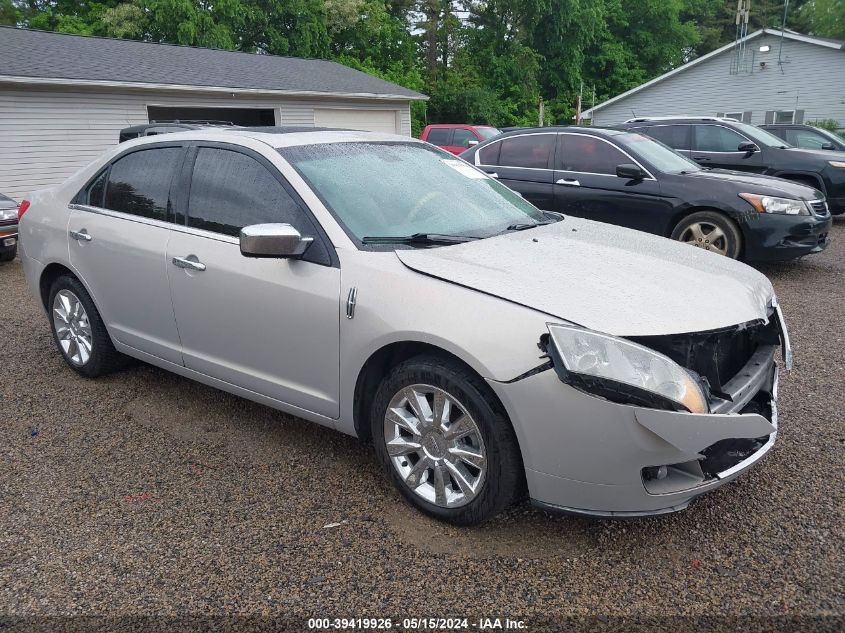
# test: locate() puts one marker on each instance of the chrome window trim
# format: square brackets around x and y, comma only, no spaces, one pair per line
[636,162]
[179,228]
[475,156]
[702,151]
[569,171]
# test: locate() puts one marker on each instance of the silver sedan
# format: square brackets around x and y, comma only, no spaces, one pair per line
[380,286]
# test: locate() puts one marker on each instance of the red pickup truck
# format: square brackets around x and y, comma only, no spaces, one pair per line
[457,137]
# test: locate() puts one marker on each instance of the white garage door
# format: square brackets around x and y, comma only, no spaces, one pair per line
[370,120]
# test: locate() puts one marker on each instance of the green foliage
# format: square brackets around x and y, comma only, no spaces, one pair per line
[8,13]
[831,125]
[826,18]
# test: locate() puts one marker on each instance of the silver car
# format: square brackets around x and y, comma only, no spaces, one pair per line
[382,287]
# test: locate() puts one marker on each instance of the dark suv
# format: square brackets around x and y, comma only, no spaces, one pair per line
[729,144]
[629,179]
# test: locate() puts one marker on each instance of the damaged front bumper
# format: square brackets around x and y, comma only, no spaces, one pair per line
[589,456]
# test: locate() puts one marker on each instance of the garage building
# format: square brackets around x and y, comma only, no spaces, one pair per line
[65,98]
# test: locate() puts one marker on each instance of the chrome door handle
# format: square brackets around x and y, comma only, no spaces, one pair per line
[569,182]
[188,264]
[80,235]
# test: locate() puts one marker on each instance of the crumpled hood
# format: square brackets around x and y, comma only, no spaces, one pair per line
[605,278]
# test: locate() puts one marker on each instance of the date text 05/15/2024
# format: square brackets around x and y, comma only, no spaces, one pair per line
[418,624]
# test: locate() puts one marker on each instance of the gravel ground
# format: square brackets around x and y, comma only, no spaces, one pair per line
[145,493]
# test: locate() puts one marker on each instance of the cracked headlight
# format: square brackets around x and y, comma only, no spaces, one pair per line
[773,204]
[620,370]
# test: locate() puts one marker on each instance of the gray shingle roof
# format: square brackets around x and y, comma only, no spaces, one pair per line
[41,54]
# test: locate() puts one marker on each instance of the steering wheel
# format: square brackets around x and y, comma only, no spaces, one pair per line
[418,206]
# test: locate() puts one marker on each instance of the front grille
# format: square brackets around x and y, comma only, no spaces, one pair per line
[819,207]
[717,355]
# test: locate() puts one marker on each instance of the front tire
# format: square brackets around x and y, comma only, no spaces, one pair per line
[445,442]
[711,231]
[79,331]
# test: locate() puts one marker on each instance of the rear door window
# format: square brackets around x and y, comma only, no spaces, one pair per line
[489,155]
[531,151]
[439,136]
[675,136]
[461,137]
[139,183]
[230,190]
[716,138]
[589,155]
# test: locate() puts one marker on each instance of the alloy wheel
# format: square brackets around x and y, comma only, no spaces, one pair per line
[707,236]
[73,329]
[435,445]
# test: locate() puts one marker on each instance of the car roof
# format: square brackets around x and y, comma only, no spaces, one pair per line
[459,125]
[683,119]
[276,136]
[577,129]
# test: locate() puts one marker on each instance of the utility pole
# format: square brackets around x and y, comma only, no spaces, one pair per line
[782,29]
[578,105]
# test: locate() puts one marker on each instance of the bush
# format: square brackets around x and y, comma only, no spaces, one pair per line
[831,125]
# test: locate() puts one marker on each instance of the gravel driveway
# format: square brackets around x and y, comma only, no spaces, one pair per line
[146,493]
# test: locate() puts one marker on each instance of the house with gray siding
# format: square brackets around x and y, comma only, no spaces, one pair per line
[772,77]
[65,98]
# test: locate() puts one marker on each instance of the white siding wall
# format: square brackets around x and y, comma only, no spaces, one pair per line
[48,134]
[809,80]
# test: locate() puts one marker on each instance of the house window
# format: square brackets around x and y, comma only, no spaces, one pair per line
[785,116]
[734,115]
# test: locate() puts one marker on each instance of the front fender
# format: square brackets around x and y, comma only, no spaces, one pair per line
[394,304]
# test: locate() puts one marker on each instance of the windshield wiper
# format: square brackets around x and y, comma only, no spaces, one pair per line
[522,226]
[418,239]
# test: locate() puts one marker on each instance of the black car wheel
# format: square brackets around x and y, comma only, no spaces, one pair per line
[8,254]
[445,441]
[711,231]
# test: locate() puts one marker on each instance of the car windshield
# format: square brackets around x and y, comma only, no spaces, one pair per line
[488,132]
[827,133]
[660,156]
[405,189]
[760,135]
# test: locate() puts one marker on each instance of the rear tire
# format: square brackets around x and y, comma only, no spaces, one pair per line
[712,231]
[453,453]
[79,331]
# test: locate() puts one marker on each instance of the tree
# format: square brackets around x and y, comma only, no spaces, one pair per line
[638,40]
[826,18]
[716,19]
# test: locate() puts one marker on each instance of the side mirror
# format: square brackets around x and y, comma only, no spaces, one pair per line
[273,240]
[630,171]
[829,146]
[472,143]
[748,148]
